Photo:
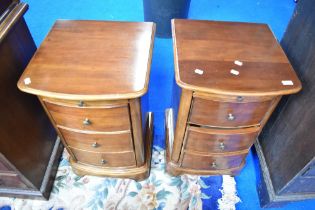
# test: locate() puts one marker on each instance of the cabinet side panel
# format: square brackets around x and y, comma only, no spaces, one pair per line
[181,122]
[136,121]
[144,100]
[176,93]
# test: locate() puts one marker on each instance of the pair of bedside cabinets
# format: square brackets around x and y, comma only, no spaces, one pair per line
[92,76]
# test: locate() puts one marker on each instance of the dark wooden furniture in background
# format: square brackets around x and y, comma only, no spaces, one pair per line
[231,78]
[89,77]
[286,147]
[162,12]
[29,151]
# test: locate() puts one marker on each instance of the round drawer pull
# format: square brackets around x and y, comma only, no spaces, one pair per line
[230,117]
[81,104]
[213,165]
[239,98]
[86,121]
[94,145]
[222,146]
[103,161]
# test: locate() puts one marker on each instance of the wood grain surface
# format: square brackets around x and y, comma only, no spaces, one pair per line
[208,162]
[100,119]
[213,46]
[87,104]
[138,138]
[98,142]
[216,114]
[89,60]
[174,168]
[183,113]
[134,172]
[113,159]
[219,140]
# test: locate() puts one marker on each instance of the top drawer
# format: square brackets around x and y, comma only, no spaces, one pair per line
[87,104]
[96,118]
[215,113]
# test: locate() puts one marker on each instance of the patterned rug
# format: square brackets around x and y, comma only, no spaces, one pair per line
[159,191]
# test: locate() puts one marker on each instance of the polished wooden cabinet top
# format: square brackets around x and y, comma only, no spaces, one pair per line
[92,60]
[231,58]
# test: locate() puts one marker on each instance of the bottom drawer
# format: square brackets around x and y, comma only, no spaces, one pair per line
[121,159]
[11,181]
[203,162]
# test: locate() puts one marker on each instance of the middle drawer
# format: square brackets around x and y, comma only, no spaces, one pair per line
[98,142]
[90,119]
[211,140]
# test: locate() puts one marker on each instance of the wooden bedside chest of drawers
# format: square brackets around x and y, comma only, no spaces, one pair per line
[229,78]
[89,77]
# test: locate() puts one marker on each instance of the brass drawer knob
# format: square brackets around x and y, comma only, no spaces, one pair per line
[213,165]
[95,144]
[230,117]
[86,121]
[239,98]
[81,104]
[222,146]
[103,161]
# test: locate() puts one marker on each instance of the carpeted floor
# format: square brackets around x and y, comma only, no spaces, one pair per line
[42,15]
[159,191]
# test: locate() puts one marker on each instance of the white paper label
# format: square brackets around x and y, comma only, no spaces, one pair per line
[235,72]
[287,82]
[27,81]
[199,71]
[239,63]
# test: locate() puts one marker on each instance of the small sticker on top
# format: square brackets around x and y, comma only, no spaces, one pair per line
[199,71]
[239,63]
[287,82]
[234,72]
[27,81]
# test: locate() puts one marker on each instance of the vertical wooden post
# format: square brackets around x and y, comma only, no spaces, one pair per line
[136,121]
[182,116]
